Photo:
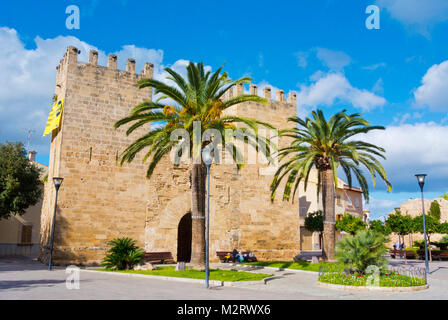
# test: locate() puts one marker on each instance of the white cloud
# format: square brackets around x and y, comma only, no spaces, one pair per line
[417,14]
[381,207]
[414,148]
[433,92]
[335,88]
[335,60]
[27,80]
[141,55]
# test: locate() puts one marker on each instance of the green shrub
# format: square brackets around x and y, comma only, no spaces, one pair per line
[350,224]
[444,239]
[419,243]
[379,226]
[123,254]
[366,248]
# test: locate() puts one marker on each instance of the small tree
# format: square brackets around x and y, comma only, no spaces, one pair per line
[400,224]
[20,185]
[350,224]
[364,249]
[445,196]
[314,222]
[432,226]
[380,227]
[434,210]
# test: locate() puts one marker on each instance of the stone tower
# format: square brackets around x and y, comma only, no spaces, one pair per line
[99,200]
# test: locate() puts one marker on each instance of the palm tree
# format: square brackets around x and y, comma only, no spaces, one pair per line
[326,146]
[196,100]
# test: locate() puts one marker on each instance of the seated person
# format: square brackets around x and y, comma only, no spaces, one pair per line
[241,257]
[235,255]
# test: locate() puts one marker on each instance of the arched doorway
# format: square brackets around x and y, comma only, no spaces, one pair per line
[184,239]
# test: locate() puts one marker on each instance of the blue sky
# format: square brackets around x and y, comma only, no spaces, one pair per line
[396,76]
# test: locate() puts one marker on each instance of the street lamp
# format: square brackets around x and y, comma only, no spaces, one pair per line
[57,184]
[421,183]
[207,158]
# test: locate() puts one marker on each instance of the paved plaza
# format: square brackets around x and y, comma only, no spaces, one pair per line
[22,278]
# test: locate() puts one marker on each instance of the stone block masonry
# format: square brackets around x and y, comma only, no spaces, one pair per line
[100,200]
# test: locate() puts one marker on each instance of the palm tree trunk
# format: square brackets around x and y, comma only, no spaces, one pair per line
[328,198]
[198,176]
[320,240]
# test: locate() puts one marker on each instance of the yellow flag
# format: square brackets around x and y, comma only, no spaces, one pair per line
[54,118]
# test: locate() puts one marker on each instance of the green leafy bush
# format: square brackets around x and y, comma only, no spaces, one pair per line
[379,226]
[400,224]
[443,228]
[366,248]
[419,243]
[314,222]
[350,224]
[123,254]
[20,185]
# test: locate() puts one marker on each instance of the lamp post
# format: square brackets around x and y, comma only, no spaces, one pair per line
[207,158]
[421,183]
[57,184]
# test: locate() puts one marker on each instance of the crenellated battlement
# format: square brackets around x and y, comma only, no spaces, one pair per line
[71,58]
[267,94]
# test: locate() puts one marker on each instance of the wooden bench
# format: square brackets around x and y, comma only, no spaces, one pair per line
[436,255]
[227,256]
[409,254]
[158,256]
[439,255]
[393,253]
[443,255]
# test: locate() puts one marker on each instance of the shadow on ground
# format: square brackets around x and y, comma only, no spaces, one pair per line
[27,285]
[18,263]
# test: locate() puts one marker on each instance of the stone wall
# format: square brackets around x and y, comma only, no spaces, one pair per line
[98,200]
[242,215]
[413,207]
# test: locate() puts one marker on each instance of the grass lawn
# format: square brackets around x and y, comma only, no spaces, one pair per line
[215,274]
[297,265]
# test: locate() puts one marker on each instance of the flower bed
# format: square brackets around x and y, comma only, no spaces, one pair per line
[389,279]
